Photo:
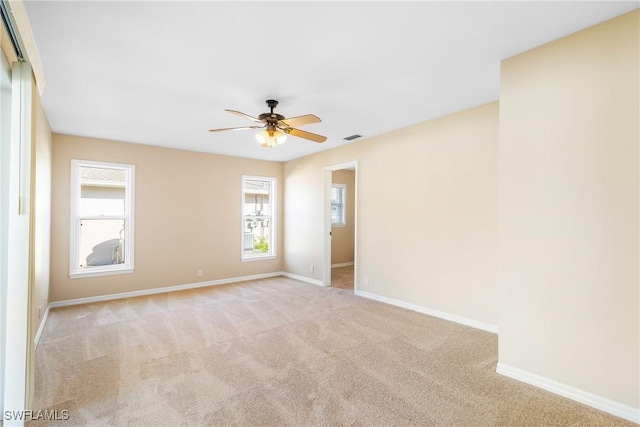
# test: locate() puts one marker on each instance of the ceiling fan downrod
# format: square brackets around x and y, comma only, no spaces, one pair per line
[272,103]
[271,117]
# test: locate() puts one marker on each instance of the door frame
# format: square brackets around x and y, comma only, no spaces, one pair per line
[326,270]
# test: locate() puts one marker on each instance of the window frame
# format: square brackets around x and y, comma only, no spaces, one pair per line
[75,271]
[343,188]
[273,196]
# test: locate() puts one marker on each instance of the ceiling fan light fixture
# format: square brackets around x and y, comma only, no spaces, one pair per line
[270,139]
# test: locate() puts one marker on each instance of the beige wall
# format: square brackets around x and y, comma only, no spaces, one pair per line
[427,213]
[187,216]
[41,213]
[569,216]
[342,240]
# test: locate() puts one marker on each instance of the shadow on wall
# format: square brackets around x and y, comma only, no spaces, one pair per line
[106,253]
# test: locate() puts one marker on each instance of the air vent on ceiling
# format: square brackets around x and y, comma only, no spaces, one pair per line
[352,137]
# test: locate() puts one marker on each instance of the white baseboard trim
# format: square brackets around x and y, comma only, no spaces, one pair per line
[302,278]
[152,291]
[342,264]
[589,399]
[41,327]
[431,312]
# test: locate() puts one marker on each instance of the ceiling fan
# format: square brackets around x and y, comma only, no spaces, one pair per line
[277,127]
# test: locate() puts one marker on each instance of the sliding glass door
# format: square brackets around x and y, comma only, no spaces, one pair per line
[15,236]
[5,143]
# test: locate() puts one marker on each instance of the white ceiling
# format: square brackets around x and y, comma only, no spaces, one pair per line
[162,73]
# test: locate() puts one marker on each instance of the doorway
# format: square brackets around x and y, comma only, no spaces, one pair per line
[341,226]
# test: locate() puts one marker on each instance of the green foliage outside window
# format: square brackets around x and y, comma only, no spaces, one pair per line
[261,244]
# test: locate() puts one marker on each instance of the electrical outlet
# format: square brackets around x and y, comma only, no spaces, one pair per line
[40,312]
[366,281]
[199,273]
[312,269]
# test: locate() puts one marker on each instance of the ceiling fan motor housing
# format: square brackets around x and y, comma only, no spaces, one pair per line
[271,117]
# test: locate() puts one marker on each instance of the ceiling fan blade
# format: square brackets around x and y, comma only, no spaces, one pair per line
[306,135]
[240,128]
[300,120]
[246,116]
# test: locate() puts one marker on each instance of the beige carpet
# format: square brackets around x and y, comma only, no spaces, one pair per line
[279,352]
[342,278]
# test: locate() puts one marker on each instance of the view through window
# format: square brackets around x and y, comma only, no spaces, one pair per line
[258,195]
[103,218]
[338,196]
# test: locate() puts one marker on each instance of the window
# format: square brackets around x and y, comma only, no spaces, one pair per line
[258,218]
[338,205]
[101,218]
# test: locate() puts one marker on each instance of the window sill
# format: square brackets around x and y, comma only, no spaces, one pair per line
[258,258]
[110,272]
[338,225]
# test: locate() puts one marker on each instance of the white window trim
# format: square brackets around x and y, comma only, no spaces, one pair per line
[75,272]
[344,206]
[274,196]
